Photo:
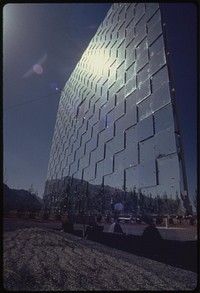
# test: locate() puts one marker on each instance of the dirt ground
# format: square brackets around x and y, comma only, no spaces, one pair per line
[41,259]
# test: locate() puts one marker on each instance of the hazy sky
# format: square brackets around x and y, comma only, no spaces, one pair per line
[42,43]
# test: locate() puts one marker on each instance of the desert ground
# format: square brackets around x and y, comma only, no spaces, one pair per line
[40,258]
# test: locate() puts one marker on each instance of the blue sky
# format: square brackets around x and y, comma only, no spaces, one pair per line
[54,36]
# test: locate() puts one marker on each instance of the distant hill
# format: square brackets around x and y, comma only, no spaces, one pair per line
[21,200]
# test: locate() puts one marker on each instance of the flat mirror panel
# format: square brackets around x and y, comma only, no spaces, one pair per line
[163,118]
[108,180]
[143,75]
[74,167]
[119,83]
[110,118]
[100,153]
[78,175]
[119,110]
[147,150]
[168,170]
[145,128]
[130,56]
[110,104]
[92,144]
[130,102]
[100,169]
[130,86]
[119,127]
[172,191]
[84,162]
[120,71]
[139,11]
[108,165]
[131,72]
[121,51]
[160,78]
[150,191]
[143,91]
[140,27]
[102,124]
[100,102]
[131,135]
[121,32]
[165,142]
[154,32]
[157,55]
[89,173]
[151,9]
[142,61]
[110,146]
[131,155]
[93,157]
[77,143]
[156,47]
[130,118]
[108,132]
[80,152]
[156,18]
[161,97]
[132,178]
[119,161]
[147,174]
[119,142]
[145,108]
[119,179]
[130,13]
[141,48]
[86,137]
[129,38]
[120,95]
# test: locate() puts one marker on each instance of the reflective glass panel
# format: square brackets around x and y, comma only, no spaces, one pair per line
[163,118]
[171,190]
[108,180]
[161,97]
[165,142]
[131,155]
[147,150]
[143,91]
[150,191]
[151,9]
[119,179]
[168,170]
[132,178]
[160,78]
[154,32]
[145,108]
[147,174]
[119,161]
[131,135]
[145,128]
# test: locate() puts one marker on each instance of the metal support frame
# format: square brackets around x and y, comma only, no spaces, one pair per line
[178,132]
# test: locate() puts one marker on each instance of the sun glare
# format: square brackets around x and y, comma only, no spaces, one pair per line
[99,62]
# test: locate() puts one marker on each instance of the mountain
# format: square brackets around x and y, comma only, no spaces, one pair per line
[21,200]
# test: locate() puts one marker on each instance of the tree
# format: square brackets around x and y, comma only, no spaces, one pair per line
[142,202]
[66,204]
[195,200]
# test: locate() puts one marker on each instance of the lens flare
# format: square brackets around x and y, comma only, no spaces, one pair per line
[37,68]
[54,86]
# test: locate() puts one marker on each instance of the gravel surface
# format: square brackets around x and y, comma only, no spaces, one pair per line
[37,259]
